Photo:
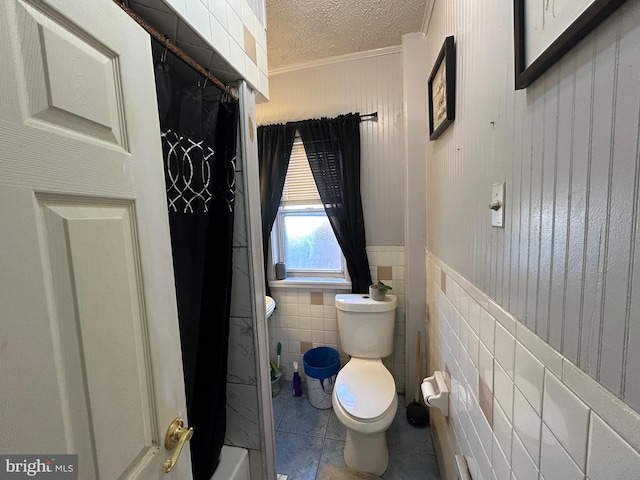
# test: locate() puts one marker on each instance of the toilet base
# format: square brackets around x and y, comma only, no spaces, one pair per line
[366,452]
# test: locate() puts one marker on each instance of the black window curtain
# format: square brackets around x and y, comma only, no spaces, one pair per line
[333,150]
[199,147]
[274,151]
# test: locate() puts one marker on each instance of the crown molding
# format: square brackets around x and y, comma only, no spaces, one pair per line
[338,59]
[428,11]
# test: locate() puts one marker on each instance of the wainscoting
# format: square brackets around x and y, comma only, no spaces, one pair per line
[517,405]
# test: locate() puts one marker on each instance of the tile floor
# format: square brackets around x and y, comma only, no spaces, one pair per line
[307,438]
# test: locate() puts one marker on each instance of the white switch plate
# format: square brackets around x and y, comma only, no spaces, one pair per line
[497,194]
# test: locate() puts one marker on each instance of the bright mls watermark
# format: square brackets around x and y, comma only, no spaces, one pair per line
[49,467]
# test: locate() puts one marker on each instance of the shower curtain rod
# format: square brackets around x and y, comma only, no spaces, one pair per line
[181,54]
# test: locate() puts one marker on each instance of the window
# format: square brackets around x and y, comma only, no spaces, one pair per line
[303,238]
[307,241]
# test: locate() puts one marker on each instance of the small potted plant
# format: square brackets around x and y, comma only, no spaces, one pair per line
[378,291]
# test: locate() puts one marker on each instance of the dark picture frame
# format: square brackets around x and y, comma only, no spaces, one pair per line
[558,43]
[442,90]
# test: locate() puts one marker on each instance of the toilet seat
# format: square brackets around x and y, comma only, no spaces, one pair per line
[365,389]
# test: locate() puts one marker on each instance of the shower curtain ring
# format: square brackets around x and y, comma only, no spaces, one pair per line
[164,54]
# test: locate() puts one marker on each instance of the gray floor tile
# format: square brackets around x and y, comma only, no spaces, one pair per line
[411,466]
[335,429]
[302,418]
[298,456]
[402,435]
[281,402]
[332,453]
[307,438]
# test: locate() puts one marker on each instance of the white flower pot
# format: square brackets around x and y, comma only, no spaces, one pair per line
[376,293]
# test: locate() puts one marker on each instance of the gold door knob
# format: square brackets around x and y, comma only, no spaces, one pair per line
[177,435]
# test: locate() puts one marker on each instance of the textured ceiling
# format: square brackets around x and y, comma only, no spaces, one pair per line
[304,30]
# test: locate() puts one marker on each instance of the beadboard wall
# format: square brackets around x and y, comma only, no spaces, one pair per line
[366,83]
[305,318]
[566,263]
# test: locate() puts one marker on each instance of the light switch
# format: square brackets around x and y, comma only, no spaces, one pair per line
[497,205]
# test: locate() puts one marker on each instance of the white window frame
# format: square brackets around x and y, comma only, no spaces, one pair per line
[301,196]
[277,243]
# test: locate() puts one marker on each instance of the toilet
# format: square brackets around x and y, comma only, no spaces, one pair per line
[364,395]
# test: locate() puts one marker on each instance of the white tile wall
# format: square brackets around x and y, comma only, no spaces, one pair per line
[503,390]
[297,323]
[543,418]
[218,9]
[505,344]
[567,417]
[609,456]
[527,425]
[221,23]
[529,376]
[220,37]
[501,466]
[502,431]
[555,462]
[522,465]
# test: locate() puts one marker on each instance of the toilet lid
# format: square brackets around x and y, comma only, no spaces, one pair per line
[365,388]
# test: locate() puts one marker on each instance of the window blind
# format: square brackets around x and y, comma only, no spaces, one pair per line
[299,186]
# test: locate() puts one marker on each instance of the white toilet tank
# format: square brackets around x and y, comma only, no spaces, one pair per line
[366,325]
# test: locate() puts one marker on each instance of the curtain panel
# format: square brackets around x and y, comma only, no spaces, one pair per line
[333,150]
[274,151]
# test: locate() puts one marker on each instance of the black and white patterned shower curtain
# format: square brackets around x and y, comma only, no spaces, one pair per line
[199,147]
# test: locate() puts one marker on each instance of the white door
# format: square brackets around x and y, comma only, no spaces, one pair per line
[90,358]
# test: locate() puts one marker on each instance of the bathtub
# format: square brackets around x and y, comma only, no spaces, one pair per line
[234,464]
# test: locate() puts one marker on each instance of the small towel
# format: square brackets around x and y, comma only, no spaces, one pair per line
[331,472]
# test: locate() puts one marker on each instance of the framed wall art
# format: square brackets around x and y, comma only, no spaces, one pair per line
[442,90]
[544,31]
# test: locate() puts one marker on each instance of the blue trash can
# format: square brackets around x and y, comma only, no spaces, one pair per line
[321,365]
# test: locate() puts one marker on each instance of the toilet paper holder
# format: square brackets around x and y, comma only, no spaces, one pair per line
[436,393]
